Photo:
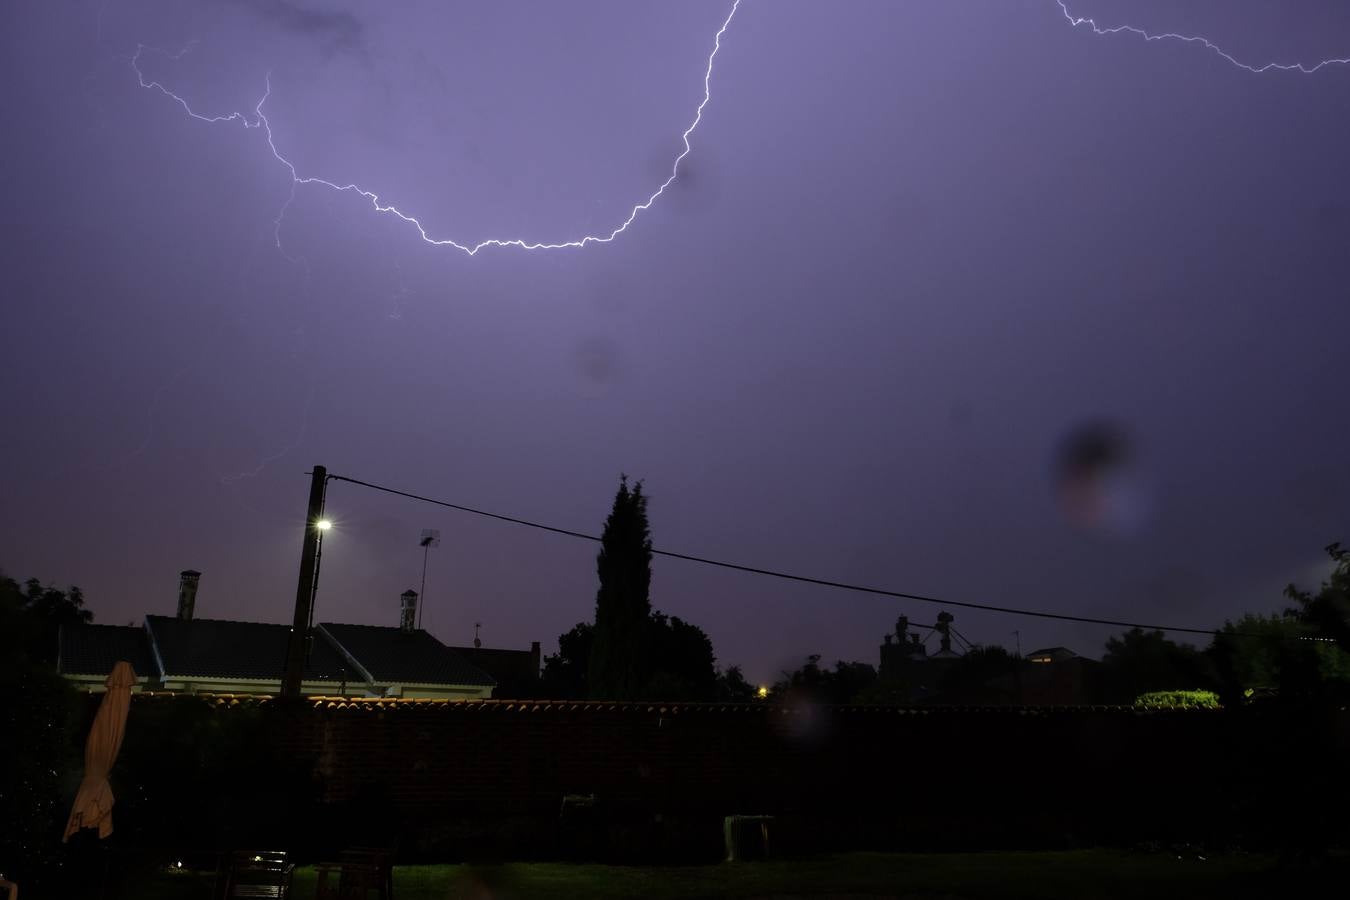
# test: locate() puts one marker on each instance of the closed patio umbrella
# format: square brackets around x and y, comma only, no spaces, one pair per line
[94,802]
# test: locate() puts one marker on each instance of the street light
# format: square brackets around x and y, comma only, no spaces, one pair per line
[323,524]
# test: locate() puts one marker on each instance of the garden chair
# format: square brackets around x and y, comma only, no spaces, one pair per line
[258,874]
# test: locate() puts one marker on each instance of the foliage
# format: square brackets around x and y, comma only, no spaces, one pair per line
[565,672]
[845,683]
[1178,700]
[1328,611]
[682,661]
[45,610]
[733,688]
[620,653]
[631,652]
[1140,662]
[1276,653]
[39,723]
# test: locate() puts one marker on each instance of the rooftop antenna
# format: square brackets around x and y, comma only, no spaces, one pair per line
[431,537]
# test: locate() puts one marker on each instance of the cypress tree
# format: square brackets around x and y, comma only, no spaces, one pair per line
[619,661]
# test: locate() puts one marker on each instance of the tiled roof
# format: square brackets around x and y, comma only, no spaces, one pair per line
[610,707]
[217,648]
[405,657]
[94,649]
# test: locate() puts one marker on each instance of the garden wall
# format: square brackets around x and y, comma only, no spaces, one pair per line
[480,779]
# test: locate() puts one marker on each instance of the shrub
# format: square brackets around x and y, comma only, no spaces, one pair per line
[1178,700]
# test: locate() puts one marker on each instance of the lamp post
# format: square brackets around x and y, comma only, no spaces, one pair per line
[315,526]
[431,537]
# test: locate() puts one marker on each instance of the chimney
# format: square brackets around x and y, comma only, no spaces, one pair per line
[407,619]
[187,593]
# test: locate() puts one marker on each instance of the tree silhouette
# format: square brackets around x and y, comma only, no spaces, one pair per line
[565,673]
[620,653]
[845,683]
[1327,611]
[43,610]
[733,688]
[682,662]
[1140,662]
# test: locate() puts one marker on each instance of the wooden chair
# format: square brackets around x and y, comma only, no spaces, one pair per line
[258,874]
[10,887]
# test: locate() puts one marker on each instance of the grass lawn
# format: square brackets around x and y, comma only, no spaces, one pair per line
[955,876]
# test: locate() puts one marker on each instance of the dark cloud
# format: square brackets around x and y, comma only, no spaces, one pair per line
[335,30]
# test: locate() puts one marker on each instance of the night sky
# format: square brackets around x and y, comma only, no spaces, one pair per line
[949,297]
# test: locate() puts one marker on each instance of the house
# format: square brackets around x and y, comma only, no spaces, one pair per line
[187,654]
[1052,676]
[515,671]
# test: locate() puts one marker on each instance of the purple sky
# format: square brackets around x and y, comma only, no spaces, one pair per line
[915,245]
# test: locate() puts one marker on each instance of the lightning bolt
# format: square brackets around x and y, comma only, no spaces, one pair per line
[1077,21]
[258,120]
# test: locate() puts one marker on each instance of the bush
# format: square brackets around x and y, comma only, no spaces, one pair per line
[1178,700]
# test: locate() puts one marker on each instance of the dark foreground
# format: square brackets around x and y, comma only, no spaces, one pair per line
[964,876]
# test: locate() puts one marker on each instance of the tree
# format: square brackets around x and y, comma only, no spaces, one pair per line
[968,679]
[1327,611]
[846,683]
[1140,662]
[733,688]
[38,714]
[620,655]
[682,662]
[565,672]
[45,610]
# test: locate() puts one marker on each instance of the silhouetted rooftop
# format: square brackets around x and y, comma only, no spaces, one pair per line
[220,648]
[94,649]
[405,657]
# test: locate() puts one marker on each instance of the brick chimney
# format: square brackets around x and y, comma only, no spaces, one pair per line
[187,593]
[407,618]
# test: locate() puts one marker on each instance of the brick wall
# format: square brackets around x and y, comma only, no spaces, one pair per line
[851,776]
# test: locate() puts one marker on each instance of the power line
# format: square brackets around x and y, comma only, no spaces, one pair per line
[804,579]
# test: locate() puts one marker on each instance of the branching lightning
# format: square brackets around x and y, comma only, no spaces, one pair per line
[1077,21]
[258,120]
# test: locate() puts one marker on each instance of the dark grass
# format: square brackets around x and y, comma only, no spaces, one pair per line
[1106,874]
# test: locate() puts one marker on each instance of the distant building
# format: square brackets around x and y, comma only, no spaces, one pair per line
[908,672]
[189,655]
[515,671]
[1051,676]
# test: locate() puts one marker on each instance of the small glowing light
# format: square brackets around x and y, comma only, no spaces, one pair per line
[762,692]
[323,524]
[178,865]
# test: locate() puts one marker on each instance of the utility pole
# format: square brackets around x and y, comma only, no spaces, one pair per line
[431,537]
[304,591]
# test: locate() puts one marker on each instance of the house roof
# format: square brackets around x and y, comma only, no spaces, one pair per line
[405,657]
[1055,654]
[95,649]
[219,648]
